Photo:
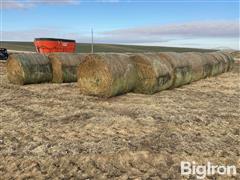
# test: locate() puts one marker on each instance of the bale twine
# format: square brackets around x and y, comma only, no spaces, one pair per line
[181,67]
[106,75]
[28,68]
[64,66]
[197,64]
[155,73]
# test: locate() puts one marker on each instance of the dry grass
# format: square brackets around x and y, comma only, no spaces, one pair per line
[52,131]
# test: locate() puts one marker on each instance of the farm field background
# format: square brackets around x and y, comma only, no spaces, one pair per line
[52,131]
[86,48]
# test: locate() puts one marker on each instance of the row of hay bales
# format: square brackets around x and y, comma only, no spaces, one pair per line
[25,68]
[110,74]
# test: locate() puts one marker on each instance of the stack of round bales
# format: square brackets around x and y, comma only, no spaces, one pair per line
[155,73]
[182,68]
[28,68]
[106,75]
[64,66]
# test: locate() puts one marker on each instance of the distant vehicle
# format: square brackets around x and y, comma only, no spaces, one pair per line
[3,54]
[48,45]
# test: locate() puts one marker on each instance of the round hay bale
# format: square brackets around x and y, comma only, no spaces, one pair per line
[226,61]
[221,65]
[181,67]
[28,68]
[221,62]
[207,65]
[213,63]
[155,73]
[64,66]
[230,60]
[106,75]
[197,64]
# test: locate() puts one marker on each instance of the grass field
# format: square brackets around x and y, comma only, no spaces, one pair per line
[51,131]
[86,48]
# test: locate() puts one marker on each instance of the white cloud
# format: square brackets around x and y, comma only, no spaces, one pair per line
[14,4]
[207,43]
[192,29]
[198,35]
[24,4]
[55,1]
[208,34]
[30,35]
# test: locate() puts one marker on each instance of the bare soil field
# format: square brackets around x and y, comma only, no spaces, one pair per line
[51,131]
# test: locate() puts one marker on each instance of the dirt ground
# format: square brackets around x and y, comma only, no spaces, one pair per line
[51,131]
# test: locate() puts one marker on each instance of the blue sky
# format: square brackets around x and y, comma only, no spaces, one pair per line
[191,23]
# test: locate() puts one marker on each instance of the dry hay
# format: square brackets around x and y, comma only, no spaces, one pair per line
[155,73]
[181,67]
[28,68]
[230,60]
[106,75]
[2,67]
[197,64]
[225,61]
[208,65]
[214,63]
[221,64]
[64,66]
[109,74]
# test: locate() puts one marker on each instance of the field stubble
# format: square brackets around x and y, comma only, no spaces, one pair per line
[52,131]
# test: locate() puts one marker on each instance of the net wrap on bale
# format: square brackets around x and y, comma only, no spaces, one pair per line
[207,65]
[182,69]
[228,59]
[106,75]
[196,62]
[214,64]
[231,60]
[64,66]
[220,63]
[28,68]
[155,73]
